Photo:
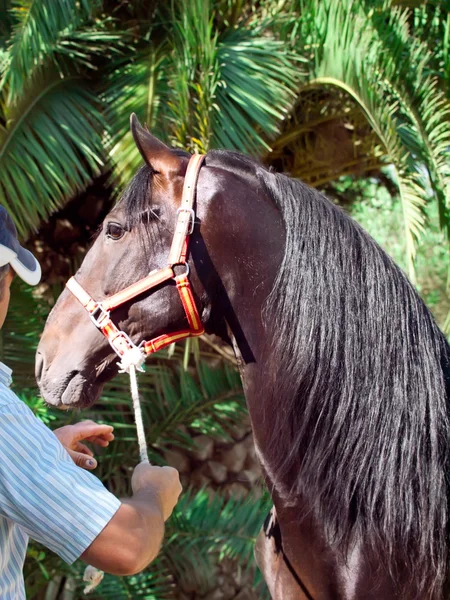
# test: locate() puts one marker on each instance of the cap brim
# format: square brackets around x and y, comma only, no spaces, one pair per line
[26,267]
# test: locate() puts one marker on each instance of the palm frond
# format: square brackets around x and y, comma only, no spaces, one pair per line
[82,46]
[171,400]
[203,88]
[50,148]
[20,334]
[155,583]
[232,89]
[205,529]
[195,74]
[429,23]
[423,107]
[3,60]
[35,33]
[349,55]
[139,83]
[41,566]
[259,76]
[201,519]
[5,21]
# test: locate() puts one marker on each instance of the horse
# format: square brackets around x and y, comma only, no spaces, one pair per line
[344,370]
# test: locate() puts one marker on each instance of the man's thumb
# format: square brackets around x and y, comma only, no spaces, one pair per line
[83,461]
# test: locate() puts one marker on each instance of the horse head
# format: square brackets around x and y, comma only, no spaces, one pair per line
[74,359]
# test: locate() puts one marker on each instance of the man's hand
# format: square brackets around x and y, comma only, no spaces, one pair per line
[162,482]
[71,437]
[133,537]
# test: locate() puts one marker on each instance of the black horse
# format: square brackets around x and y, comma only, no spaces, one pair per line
[343,367]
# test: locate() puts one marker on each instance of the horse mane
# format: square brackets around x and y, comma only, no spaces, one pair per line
[357,371]
[357,381]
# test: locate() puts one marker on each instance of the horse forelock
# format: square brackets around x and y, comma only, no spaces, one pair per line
[356,391]
[136,199]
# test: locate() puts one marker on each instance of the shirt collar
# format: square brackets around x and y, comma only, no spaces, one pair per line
[5,375]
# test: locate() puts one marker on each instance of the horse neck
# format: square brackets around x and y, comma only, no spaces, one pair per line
[238,270]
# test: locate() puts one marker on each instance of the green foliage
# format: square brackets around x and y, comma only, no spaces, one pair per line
[42,143]
[154,584]
[181,395]
[51,126]
[42,568]
[171,399]
[20,334]
[259,77]
[37,27]
[205,529]
[203,86]
[137,85]
[202,530]
[38,406]
[367,49]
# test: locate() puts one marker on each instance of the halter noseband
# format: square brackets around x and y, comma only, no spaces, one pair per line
[99,312]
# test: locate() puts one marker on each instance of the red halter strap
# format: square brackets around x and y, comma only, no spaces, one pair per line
[99,312]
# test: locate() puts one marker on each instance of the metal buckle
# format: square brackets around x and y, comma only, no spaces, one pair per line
[121,335]
[98,315]
[191,220]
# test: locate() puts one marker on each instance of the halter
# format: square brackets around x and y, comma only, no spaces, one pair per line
[99,312]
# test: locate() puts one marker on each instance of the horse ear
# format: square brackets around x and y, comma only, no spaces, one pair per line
[157,155]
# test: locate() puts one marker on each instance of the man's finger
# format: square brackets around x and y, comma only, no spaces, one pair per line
[82,460]
[88,429]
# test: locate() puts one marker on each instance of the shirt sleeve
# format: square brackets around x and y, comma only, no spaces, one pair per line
[57,503]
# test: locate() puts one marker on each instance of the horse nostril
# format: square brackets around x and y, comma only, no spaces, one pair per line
[39,367]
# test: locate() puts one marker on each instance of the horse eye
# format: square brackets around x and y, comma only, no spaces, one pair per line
[114,231]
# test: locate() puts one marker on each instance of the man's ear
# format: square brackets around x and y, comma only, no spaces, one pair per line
[157,155]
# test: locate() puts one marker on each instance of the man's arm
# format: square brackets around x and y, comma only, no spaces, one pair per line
[67,509]
[133,537]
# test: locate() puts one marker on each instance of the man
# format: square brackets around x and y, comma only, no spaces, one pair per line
[46,496]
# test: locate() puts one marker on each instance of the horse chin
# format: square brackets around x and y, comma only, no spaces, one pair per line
[78,393]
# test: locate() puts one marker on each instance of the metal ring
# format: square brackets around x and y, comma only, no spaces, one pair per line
[183,264]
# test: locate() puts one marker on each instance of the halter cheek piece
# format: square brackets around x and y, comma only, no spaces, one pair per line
[99,312]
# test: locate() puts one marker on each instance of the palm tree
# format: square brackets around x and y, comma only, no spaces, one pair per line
[220,73]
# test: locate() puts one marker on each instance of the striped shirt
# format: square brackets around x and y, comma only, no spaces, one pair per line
[43,494]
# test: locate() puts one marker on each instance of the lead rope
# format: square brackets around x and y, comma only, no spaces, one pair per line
[138,415]
[93,576]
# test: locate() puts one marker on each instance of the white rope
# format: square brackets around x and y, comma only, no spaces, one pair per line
[138,415]
[92,575]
